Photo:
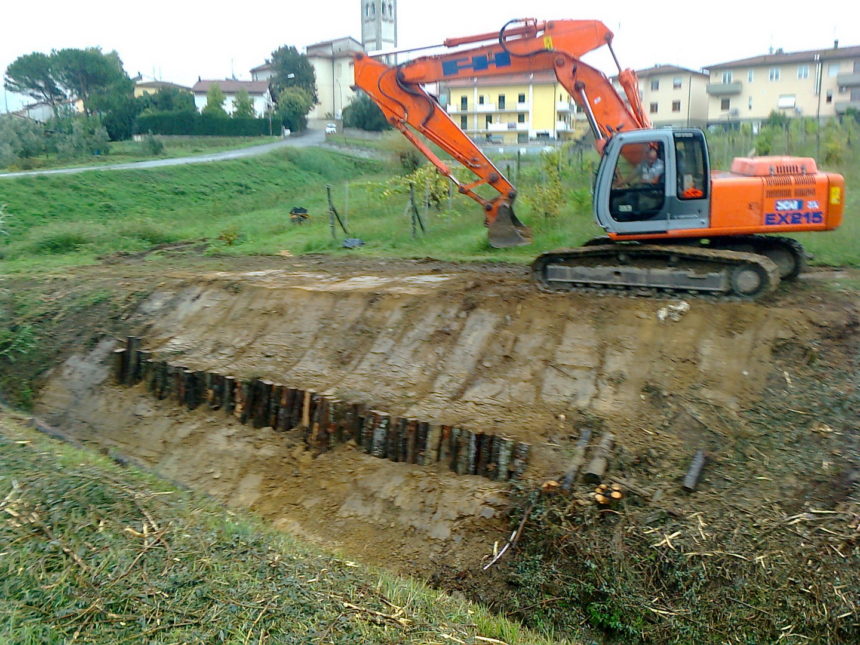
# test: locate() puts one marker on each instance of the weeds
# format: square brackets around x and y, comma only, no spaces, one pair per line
[103,555]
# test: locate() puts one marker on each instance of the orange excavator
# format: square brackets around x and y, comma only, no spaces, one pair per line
[672,224]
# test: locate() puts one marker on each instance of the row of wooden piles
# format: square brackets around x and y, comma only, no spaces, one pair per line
[325,421]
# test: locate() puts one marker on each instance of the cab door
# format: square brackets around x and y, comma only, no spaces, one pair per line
[639,190]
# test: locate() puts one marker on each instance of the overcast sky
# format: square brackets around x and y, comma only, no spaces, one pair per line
[180,41]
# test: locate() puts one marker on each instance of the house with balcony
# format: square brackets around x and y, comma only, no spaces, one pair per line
[514,108]
[821,83]
[673,95]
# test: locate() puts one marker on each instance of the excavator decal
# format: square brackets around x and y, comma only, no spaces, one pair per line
[479,63]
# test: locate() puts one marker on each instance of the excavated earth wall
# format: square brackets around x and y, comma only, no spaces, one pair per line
[477,349]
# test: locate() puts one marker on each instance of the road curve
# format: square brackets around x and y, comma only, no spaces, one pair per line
[309,138]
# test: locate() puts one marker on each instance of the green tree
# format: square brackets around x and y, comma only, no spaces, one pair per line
[117,107]
[294,103]
[33,75]
[169,99]
[86,73]
[243,106]
[215,101]
[364,114]
[292,69]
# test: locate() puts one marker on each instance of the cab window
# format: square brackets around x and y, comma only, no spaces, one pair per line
[638,186]
[692,172]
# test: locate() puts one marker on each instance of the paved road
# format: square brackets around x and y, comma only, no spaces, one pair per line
[309,138]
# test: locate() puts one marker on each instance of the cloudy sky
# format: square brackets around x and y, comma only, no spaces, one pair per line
[180,41]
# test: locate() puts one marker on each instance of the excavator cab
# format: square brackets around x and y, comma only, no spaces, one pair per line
[653,181]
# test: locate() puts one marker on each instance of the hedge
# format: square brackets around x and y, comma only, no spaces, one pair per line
[192,123]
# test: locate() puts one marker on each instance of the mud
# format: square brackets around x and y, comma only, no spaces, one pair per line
[477,347]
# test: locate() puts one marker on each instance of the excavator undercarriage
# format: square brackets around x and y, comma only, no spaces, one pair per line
[655,270]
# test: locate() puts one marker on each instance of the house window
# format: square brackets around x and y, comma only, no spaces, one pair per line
[773,74]
[727,77]
[501,101]
[749,103]
[750,76]
[521,98]
[464,102]
[464,122]
[652,108]
[521,118]
[481,100]
[488,119]
[655,84]
[833,70]
[676,83]
[725,105]
[786,101]
[802,71]
[830,96]
[676,106]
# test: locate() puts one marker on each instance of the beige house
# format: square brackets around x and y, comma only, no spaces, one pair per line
[818,83]
[154,87]
[513,108]
[673,95]
[332,63]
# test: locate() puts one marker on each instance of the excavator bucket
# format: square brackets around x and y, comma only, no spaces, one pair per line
[506,230]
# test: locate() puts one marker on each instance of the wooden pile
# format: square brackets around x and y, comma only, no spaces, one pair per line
[324,420]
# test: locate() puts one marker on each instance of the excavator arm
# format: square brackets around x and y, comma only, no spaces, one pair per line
[520,46]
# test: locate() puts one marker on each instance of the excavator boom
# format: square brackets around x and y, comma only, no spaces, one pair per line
[520,46]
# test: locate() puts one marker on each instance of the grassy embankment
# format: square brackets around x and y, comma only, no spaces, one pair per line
[97,553]
[242,207]
[131,151]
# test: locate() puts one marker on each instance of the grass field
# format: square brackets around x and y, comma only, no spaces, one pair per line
[108,554]
[242,207]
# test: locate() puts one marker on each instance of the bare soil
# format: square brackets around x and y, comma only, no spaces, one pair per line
[767,389]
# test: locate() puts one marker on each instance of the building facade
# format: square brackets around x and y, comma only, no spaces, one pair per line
[332,63]
[258,91]
[141,88]
[673,95]
[819,83]
[513,108]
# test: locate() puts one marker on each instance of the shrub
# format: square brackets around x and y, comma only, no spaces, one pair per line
[193,124]
[152,146]
[86,136]
[59,241]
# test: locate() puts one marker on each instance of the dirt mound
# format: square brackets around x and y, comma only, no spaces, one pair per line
[479,347]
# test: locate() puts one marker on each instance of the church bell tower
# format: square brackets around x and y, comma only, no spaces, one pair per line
[378,25]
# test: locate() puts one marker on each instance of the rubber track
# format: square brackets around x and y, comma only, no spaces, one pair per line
[762,242]
[692,258]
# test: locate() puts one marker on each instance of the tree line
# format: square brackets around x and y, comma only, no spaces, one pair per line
[91,98]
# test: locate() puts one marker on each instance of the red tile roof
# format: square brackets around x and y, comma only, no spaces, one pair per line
[792,57]
[665,69]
